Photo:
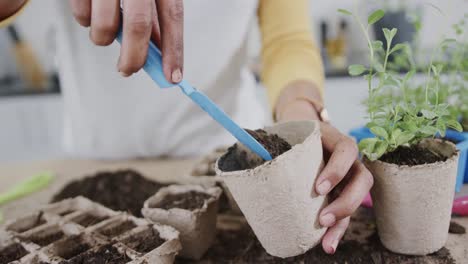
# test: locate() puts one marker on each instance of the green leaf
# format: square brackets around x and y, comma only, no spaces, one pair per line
[377,45]
[380,149]
[367,145]
[429,130]
[428,114]
[455,125]
[379,132]
[398,47]
[409,75]
[379,67]
[375,16]
[389,34]
[26,187]
[404,138]
[345,12]
[356,69]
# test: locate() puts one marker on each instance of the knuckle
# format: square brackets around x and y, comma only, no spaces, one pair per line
[368,178]
[139,24]
[176,10]
[83,18]
[352,146]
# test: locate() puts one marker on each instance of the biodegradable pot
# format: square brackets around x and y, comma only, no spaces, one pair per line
[413,203]
[278,198]
[197,227]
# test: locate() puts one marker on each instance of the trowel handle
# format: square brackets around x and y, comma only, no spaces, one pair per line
[153,65]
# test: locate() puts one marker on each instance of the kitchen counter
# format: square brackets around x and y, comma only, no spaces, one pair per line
[161,170]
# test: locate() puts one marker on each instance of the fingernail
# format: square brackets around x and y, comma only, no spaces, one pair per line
[176,76]
[327,220]
[124,74]
[323,187]
[334,245]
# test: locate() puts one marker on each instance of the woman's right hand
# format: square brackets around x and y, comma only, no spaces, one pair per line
[161,21]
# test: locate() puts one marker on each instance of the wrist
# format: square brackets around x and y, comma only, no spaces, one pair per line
[301,100]
[10,7]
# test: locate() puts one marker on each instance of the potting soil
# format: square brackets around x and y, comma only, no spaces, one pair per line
[190,201]
[104,255]
[236,159]
[360,245]
[12,253]
[411,156]
[123,190]
[456,228]
[145,243]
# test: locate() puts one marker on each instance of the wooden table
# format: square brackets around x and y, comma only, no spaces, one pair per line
[161,170]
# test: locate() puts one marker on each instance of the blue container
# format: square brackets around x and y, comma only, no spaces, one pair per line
[462,145]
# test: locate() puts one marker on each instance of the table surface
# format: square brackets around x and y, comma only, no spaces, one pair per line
[161,170]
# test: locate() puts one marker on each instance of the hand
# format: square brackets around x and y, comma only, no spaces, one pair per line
[345,178]
[9,7]
[161,21]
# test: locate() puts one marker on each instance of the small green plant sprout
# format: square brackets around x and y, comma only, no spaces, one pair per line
[398,121]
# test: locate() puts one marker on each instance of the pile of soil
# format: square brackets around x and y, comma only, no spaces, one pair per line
[146,243]
[11,253]
[123,190]
[237,158]
[104,255]
[73,246]
[456,228]
[361,245]
[411,156]
[190,201]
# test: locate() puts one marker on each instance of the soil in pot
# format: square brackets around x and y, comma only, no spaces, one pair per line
[146,242]
[189,200]
[104,255]
[456,228]
[88,219]
[411,156]
[117,230]
[46,239]
[239,158]
[71,247]
[11,253]
[123,190]
[361,245]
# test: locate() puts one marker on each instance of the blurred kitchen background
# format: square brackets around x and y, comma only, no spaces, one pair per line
[31,110]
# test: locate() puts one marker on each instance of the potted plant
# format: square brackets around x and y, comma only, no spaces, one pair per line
[277,197]
[192,210]
[414,171]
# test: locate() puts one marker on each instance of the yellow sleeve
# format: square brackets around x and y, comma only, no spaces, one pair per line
[10,19]
[288,50]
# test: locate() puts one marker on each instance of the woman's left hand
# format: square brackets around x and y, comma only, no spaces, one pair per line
[344,177]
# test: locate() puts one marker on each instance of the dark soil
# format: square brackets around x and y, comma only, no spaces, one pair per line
[456,228]
[72,247]
[412,156]
[123,190]
[45,240]
[145,243]
[241,246]
[190,201]
[88,219]
[11,253]
[118,229]
[236,159]
[104,255]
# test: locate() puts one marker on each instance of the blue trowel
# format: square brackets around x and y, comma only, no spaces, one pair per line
[153,67]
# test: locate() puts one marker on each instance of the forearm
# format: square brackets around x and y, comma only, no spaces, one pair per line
[10,7]
[289,54]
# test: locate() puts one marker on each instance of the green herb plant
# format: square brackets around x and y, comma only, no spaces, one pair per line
[398,123]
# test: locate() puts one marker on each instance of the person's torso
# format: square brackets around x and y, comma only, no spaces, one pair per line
[109,116]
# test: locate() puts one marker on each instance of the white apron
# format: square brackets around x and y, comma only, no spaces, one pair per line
[108,116]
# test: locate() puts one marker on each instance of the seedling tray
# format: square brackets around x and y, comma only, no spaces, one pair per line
[76,229]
